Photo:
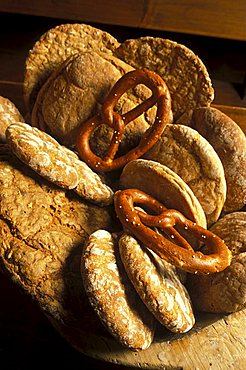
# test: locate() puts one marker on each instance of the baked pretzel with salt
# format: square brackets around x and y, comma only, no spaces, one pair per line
[177,250]
[160,96]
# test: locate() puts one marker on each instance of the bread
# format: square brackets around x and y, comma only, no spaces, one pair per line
[56,163]
[185,74]
[45,225]
[76,91]
[225,291]
[165,185]
[112,294]
[158,285]
[229,141]
[188,154]
[43,229]
[55,46]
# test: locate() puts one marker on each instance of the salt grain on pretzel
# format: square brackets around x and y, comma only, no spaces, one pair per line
[180,254]
[160,96]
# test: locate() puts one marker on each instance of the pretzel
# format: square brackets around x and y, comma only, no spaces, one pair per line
[177,250]
[160,96]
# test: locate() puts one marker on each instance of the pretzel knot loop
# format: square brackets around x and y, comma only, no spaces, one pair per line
[160,96]
[170,244]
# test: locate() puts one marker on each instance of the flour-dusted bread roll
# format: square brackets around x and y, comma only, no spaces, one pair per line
[224,291]
[157,283]
[184,73]
[112,295]
[190,155]
[229,142]
[56,163]
[55,46]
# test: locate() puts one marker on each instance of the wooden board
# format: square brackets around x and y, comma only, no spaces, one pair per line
[216,343]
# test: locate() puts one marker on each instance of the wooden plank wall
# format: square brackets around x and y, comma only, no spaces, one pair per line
[220,18]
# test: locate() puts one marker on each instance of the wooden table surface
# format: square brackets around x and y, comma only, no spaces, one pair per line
[26,335]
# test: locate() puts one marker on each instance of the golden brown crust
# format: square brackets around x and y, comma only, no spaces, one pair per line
[188,154]
[55,46]
[165,185]
[41,234]
[229,142]
[185,74]
[76,91]
[224,291]
[232,229]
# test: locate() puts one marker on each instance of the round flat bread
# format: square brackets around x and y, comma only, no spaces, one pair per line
[165,185]
[187,153]
[112,294]
[224,291]
[76,91]
[184,73]
[56,163]
[229,141]
[232,229]
[55,46]
[8,114]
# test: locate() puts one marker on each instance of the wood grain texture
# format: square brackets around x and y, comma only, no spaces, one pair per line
[219,18]
[215,343]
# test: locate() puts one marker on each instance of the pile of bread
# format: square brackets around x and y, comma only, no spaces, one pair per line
[59,234]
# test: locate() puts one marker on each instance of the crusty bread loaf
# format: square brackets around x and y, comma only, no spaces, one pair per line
[42,232]
[184,72]
[165,185]
[76,91]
